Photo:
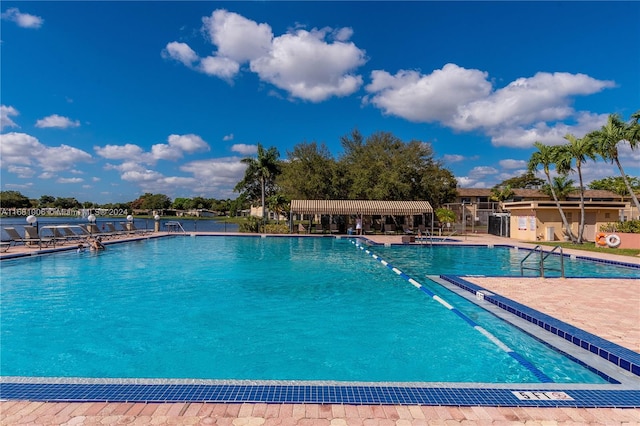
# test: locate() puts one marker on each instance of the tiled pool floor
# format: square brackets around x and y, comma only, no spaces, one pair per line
[240,413]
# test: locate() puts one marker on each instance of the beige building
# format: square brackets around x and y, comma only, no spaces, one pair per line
[541,221]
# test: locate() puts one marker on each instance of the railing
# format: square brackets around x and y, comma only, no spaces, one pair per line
[174,226]
[540,266]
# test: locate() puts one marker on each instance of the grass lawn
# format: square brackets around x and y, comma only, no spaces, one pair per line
[592,248]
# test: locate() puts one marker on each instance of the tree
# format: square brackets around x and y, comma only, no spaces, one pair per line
[150,201]
[67,203]
[259,177]
[46,201]
[180,203]
[200,203]
[383,167]
[527,180]
[445,216]
[279,205]
[562,186]
[309,173]
[13,200]
[607,139]
[501,193]
[616,184]
[546,156]
[578,150]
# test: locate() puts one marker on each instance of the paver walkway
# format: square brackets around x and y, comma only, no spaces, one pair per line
[609,308]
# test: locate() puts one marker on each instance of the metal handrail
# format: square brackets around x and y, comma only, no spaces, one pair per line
[561,270]
[543,256]
[171,225]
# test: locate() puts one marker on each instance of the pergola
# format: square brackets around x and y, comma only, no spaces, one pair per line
[362,207]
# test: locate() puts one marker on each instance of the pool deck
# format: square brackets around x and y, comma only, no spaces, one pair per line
[608,308]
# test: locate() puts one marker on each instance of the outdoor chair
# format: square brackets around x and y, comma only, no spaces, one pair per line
[32,237]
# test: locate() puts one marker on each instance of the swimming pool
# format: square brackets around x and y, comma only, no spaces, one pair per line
[495,261]
[250,308]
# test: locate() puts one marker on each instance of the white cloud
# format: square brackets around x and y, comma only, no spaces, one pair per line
[141,176]
[467,182]
[121,152]
[427,98]
[217,174]
[453,158]
[21,171]
[309,68]
[512,164]
[244,149]
[62,157]
[57,121]
[228,137]
[236,37]
[173,150]
[310,65]
[166,152]
[23,20]
[69,180]
[218,66]
[541,98]
[24,149]
[188,143]
[532,109]
[5,113]
[180,52]
[19,148]
[521,137]
[482,171]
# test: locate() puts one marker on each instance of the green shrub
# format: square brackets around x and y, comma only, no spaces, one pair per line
[250,224]
[276,228]
[254,225]
[628,227]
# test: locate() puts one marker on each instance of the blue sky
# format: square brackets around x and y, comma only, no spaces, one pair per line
[104,101]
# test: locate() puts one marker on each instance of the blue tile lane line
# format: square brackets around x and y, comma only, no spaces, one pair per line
[522,360]
[622,357]
[311,394]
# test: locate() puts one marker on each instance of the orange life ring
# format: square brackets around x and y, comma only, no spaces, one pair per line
[601,239]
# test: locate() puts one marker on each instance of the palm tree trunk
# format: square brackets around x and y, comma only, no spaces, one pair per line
[264,212]
[581,227]
[626,182]
[562,215]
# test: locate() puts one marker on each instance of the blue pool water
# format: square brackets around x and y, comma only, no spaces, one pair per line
[499,261]
[251,308]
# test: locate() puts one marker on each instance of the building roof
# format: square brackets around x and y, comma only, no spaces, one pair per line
[366,207]
[536,193]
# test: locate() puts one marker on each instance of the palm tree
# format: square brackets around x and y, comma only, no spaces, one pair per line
[260,171]
[279,204]
[546,156]
[562,185]
[445,216]
[608,138]
[578,150]
[501,193]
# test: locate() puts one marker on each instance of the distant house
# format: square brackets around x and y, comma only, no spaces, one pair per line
[535,216]
[196,213]
[541,221]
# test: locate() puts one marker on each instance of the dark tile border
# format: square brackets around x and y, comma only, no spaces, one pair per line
[311,394]
[622,357]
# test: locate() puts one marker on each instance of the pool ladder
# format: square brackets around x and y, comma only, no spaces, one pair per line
[174,226]
[540,263]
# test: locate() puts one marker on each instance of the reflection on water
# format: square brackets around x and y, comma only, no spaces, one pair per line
[189,225]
